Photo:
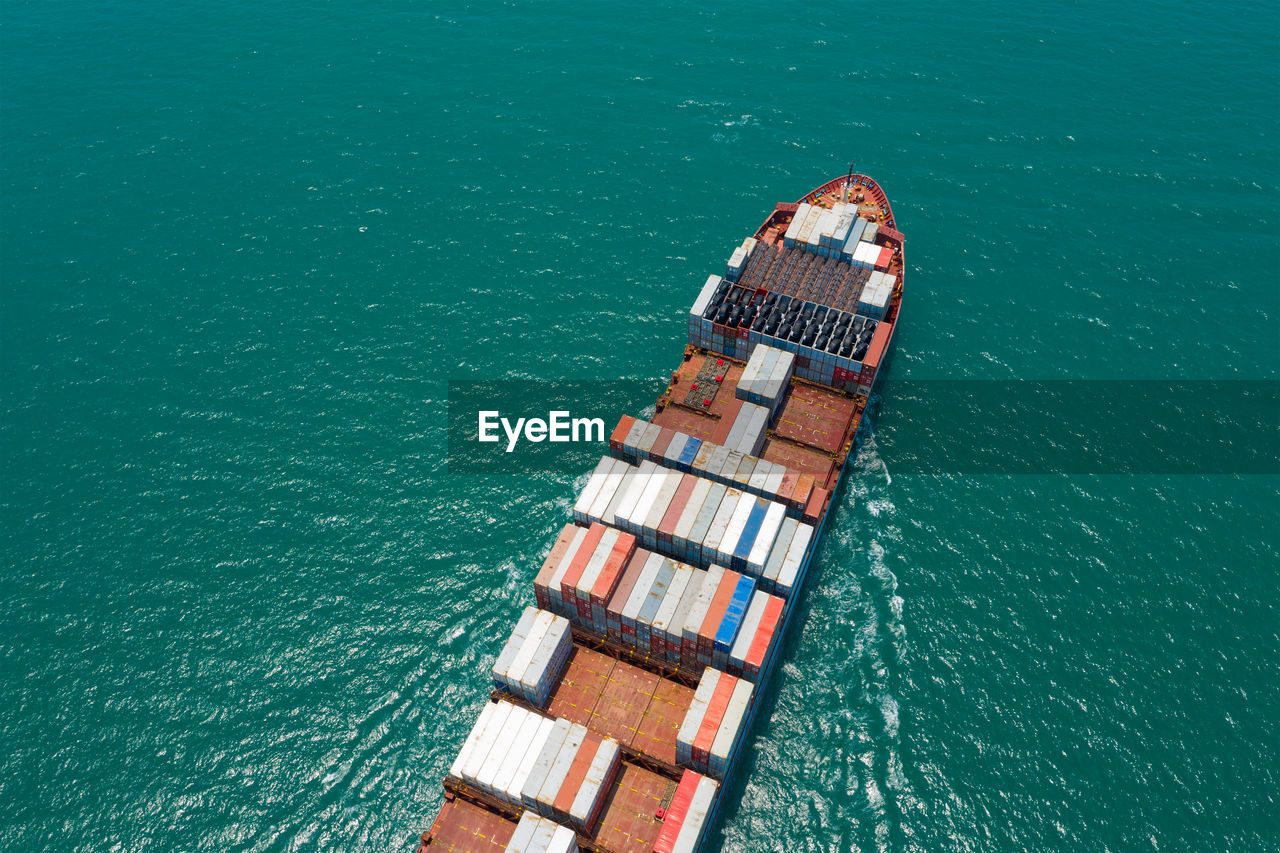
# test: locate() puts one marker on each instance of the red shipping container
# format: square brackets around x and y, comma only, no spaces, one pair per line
[804,487]
[678,502]
[577,772]
[713,718]
[887,233]
[630,574]
[574,573]
[677,812]
[732,405]
[620,432]
[609,576]
[715,613]
[813,508]
[541,590]
[788,485]
[875,349]
[763,639]
[661,444]
[886,255]
[744,334]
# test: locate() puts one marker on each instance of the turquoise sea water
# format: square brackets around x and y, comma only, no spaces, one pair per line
[243,247]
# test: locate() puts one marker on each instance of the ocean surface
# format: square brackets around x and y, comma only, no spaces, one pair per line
[243,247]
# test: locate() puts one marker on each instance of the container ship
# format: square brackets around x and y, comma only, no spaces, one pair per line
[622,701]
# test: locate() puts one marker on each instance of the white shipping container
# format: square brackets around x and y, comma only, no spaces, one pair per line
[797,220]
[633,437]
[688,730]
[501,751]
[635,519]
[843,227]
[773,565]
[608,488]
[679,583]
[493,727]
[737,261]
[592,789]
[675,629]
[704,296]
[794,560]
[543,835]
[610,515]
[869,235]
[502,666]
[730,731]
[719,524]
[541,624]
[592,488]
[647,438]
[750,373]
[558,575]
[644,477]
[851,242]
[542,766]
[810,236]
[866,254]
[469,745]
[706,517]
[774,482]
[703,457]
[701,605]
[563,840]
[734,439]
[660,505]
[826,227]
[548,661]
[695,821]
[759,476]
[747,633]
[536,744]
[765,539]
[760,390]
[639,593]
[802,238]
[672,453]
[733,530]
[520,748]
[680,533]
[523,836]
[560,769]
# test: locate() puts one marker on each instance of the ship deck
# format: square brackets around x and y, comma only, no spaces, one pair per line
[465,827]
[619,693]
[813,433]
[638,708]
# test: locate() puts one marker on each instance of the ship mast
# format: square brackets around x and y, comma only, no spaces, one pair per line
[848,183]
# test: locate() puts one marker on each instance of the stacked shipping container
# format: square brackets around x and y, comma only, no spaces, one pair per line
[688,817]
[535,834]
[532,660]
[766,378]
[705,460]
[571,775]
[714,725]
